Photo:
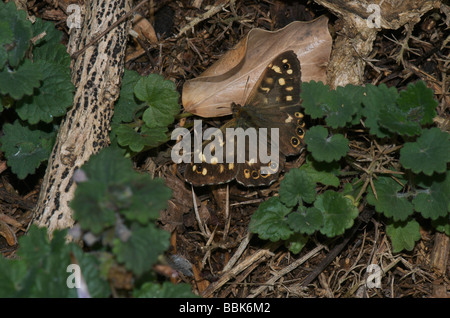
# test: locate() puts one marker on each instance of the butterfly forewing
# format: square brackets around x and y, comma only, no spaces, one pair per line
[273,103]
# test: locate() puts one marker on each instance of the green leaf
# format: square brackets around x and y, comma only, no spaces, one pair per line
[418,102]
[403,235]
[269,221]
[321,176]
[12,273]
[297,186]
[347,102]
[377,98]
[306,220]
[52,99]
[149,197]
[161,97]
[296,242]
[6,37]
[324,148]
[89,266]
[47,261]
[429,154]
[396,121]
[390,201]
[21,29]
[50,48]
[127,105]
[442,224]
[27,74]
[338,213]
[145,137]
[315,96]
[433,200]
[93,209]
[166,290]
[142,249]
[24,148]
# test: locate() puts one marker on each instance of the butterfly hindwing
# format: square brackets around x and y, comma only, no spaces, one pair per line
[274,102]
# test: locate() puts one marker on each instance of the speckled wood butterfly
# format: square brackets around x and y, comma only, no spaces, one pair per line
[274,102]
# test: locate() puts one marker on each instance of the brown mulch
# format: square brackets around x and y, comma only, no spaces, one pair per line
[407,274]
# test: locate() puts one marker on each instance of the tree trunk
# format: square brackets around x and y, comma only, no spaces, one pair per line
[97,75]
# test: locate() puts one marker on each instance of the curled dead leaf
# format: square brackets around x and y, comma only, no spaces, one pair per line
[8,234]
[232,77]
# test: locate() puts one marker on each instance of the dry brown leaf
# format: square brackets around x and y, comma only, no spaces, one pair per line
[144,28]
[8,234]
[232,77]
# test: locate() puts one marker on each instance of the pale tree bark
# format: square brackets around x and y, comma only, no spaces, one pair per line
[96,74]
[360,21]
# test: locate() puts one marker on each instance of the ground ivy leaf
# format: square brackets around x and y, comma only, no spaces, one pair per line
[346,103]
[6,37]
[93,209]
[338,213]
[403,235]
[306,220]
[396,120]
[24,148]
[162,100]
[390,201]
[321,176]
[377,98]
[149,197]
[145,137]
[27,74]
[127,105]
[417,100]
[53,97]
[296,242]
[324,148]
[315,96]
[433,200]
[12,273]
[142,249]
[442,224]
[269,221]
[297,186]
[21,28]
[429,154]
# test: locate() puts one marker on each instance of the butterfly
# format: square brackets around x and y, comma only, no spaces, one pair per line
[273,104]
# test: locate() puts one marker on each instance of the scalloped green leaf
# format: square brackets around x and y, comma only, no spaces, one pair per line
[306,220]
[442,224]
[25,149]
[403,235]
[429,154]
[269,221]
[27,74]
[142,248]
[21,29]
[391,202]
[377,98]
[6,37]
[149,197]
[92,207]
[347,102]
[324,148]
[321,176]
[127,105]
[137,140]
[297,186]
[315,98]
[12,274]
[433,199]
[52,99]
[50,48]
[338,213]
[418,102]
[162,100]
[396,120]
[296,242]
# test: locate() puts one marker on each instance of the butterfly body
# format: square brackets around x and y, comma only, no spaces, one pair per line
[274,104]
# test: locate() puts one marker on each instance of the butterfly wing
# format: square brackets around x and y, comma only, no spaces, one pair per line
[275,102]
